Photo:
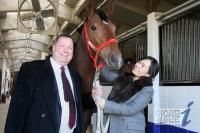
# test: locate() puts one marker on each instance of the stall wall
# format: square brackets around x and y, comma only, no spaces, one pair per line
[175,109]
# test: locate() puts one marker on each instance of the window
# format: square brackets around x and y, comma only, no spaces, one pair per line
[134,48]
[180,50]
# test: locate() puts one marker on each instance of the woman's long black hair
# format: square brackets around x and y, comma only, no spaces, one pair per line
[124,87]
[154,67]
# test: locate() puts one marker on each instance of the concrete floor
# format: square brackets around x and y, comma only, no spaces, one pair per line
[3,114]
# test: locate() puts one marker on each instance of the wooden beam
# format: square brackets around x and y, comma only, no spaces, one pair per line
[131,8]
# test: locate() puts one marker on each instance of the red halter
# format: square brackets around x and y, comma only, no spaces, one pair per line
[96,49]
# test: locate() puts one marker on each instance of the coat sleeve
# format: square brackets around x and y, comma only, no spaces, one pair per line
[18,105]
[135,105]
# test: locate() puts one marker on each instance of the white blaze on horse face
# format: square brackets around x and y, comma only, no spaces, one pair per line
[105,22]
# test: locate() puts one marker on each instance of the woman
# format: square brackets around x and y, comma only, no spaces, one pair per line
[130,94]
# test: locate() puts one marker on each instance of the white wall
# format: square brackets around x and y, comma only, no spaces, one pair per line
[171,97]
[178,97]
[153,50]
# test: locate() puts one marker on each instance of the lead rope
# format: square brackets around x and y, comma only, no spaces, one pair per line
[100,128]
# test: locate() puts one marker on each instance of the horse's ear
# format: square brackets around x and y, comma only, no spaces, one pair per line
[111,7]
[89,8]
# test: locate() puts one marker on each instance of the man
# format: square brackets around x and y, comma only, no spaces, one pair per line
[40,102]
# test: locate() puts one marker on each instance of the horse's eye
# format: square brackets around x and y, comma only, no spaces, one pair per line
[93,27]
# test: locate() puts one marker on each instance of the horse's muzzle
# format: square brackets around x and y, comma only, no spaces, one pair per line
[116,61]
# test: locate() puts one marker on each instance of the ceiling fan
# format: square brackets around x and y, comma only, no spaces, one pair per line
[37,16]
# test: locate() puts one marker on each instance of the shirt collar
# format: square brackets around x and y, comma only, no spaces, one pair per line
[55,65]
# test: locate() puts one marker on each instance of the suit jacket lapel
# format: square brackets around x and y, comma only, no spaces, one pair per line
[49,86]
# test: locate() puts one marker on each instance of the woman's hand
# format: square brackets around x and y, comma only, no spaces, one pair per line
[101,103]
[97,92]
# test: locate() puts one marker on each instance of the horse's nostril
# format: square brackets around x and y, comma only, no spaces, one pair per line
[116,61]
[113,59]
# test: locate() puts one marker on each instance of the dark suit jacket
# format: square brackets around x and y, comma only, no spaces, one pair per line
[35,104]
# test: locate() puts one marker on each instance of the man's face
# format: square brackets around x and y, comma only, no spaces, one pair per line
[63,50]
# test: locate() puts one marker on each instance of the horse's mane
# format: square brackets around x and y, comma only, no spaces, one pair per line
[102,15]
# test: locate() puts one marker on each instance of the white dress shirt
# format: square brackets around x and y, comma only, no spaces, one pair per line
[64,127]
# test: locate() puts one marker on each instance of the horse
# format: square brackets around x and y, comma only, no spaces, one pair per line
[97,48]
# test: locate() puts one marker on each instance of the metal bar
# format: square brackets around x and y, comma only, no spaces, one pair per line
[175,50]
[198,50]
[171,49]
[192,62]
[179,50]
[181,9]
[136,30]
[164,55]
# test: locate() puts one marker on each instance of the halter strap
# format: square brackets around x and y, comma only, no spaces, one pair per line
[96,49]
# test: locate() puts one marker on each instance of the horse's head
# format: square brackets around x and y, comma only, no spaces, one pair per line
[100,38]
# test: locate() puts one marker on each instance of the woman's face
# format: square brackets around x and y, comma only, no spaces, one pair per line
[141,68]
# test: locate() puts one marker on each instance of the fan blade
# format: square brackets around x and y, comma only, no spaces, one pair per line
[40,24]
[27,16]
[47,13]
[36,5]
